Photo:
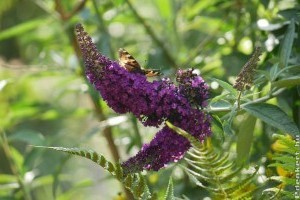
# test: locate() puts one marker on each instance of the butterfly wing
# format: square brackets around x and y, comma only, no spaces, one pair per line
[130,64]
[152,72]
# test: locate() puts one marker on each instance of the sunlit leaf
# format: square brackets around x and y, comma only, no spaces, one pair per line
[17,158]
[21,28]
[7,178]
[165,8]
[289,82]
[226,86]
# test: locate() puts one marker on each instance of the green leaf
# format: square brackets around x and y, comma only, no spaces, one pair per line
[22,110]
[220,101]
[286,162]
[244,139]
[198,7]
[217,127]
[170,190]
[227,128]
[165,8]
[264,73]
[289,82]
[287,142]
[227,87]
[17,158]
[118,2]
[273,116]
[119,171]
[7,179]
[22,28]
[274,72]
[293,70]
[227,124]
[185,134]
[286,48]
[128,181]
[142,189]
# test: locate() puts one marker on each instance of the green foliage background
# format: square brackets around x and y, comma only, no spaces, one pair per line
[45,100]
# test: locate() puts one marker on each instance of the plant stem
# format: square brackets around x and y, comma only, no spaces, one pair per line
[104,29]
[148,29]
[259,100]
[13,165]
[107,132]
[239,100]
[136,131]
[265,98]
[63,14]
[94,95]
[197,50]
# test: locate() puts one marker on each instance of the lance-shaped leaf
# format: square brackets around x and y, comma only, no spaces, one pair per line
[287,44]
[244,139]
[273,116]
[226,86]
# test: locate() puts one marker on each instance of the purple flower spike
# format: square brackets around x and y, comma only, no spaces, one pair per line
[151,102]
[167,146]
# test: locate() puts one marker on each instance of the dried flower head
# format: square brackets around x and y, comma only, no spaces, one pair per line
[245,77]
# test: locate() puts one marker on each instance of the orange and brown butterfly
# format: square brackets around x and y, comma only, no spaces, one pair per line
[130,64]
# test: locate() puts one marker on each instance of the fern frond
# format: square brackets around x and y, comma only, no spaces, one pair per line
[134,182]
[222,168]
[284,159]
[170,191]
[230,175]
[197,175]
[218,176]
[140,188]
[215,172]
[285,162]
[198,182]
[242,184]
[288,145]
[89,154]
[277,193]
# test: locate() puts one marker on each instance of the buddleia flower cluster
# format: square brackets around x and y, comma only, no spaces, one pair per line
[152,103]
[193,87]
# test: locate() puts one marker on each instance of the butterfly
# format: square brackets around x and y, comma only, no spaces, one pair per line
[130,64]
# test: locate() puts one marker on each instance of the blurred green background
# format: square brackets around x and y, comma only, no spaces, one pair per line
[45,101]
